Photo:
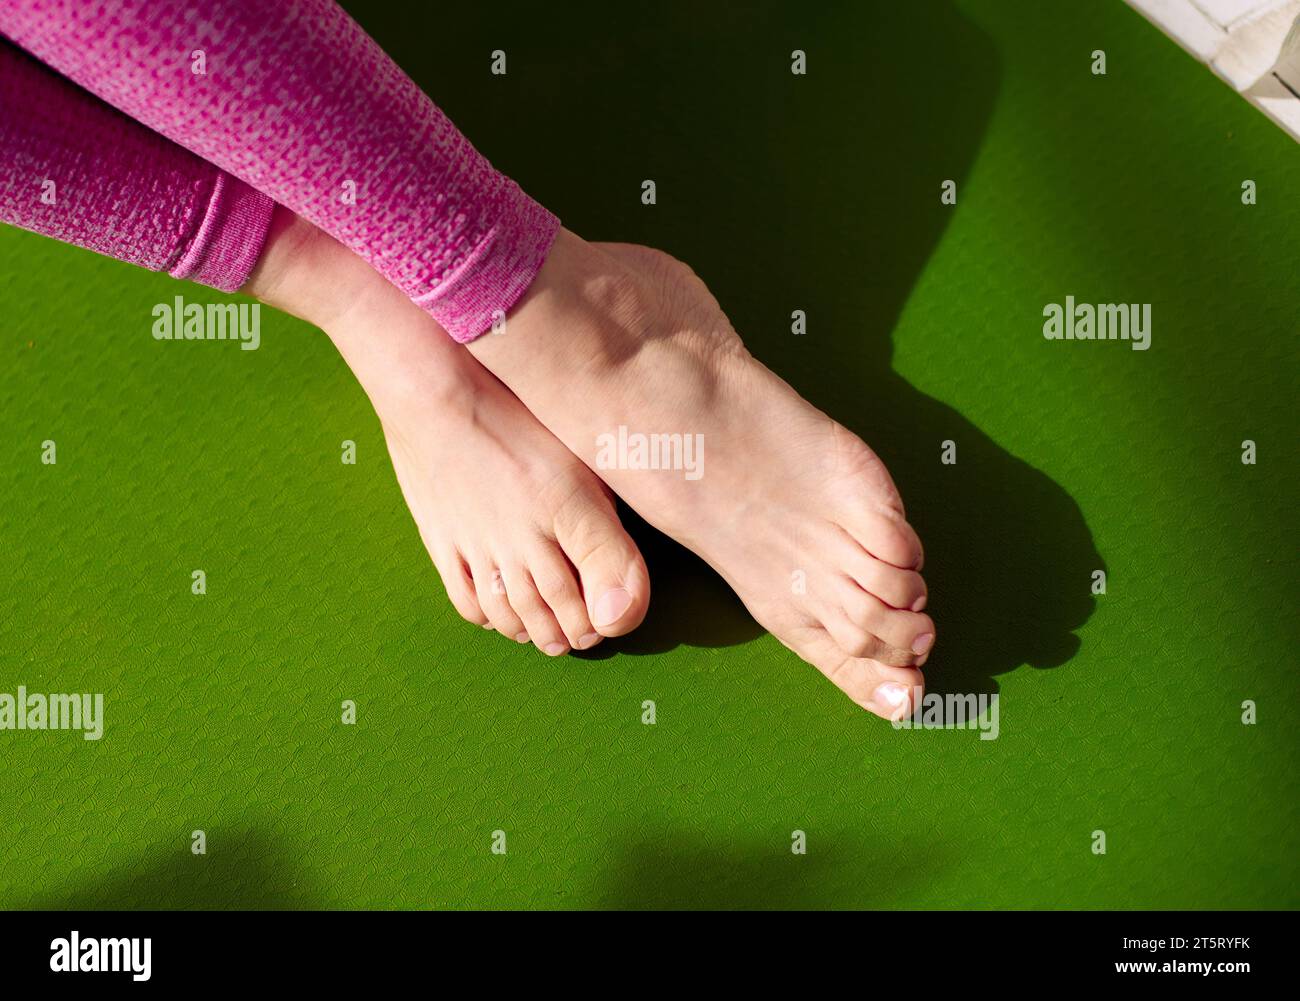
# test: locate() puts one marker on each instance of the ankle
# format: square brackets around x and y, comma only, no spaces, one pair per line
[305,272]
[406,363]
[583,310]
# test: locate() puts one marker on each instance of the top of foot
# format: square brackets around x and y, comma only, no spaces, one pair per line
[623,353]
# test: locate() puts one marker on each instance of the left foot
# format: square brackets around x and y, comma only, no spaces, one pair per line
[524,536]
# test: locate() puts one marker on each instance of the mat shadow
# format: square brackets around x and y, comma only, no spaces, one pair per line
[679,872]
[244,869]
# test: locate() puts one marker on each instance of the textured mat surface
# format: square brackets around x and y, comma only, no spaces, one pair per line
[1119,712]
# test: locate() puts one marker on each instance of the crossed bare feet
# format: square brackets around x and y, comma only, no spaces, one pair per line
[794,511]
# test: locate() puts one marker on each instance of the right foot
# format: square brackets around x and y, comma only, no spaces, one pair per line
[793,510]
[525,538]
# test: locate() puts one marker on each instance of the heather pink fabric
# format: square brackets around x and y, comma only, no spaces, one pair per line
[75,169]
[292,97]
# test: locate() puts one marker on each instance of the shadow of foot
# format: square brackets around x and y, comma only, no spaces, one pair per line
[1009,556]
[896,102]
[690,605]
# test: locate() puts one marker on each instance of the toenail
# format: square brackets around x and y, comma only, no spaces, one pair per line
[890,696]
[611,606]
[554,649]
[588,640]
[487,626]
[521,638]
[919,603]
[922,643]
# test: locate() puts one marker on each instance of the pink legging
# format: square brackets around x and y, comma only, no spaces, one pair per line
[75,169]
[296,102]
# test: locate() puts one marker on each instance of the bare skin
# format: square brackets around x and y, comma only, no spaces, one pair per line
[524,536]
[793,510]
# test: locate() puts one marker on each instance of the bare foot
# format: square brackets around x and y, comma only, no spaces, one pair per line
[525,538]
[793,510]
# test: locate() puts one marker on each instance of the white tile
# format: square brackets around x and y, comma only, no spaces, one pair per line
[1183,22]
[1225,12]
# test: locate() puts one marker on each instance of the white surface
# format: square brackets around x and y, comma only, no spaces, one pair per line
[1225,12]
[1253,45]
[1253,48]
[1187,25]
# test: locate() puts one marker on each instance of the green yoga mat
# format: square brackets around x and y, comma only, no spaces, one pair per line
[1119,712]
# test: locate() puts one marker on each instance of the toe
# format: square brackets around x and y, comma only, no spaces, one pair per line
[557,583]
[459,584]
[858,641]
[886,535]
[889,692]
[903,589]
[615,583]
[906,637]
[490,588]
[539,623]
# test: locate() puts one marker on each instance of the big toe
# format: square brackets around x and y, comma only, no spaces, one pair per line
[615,582]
